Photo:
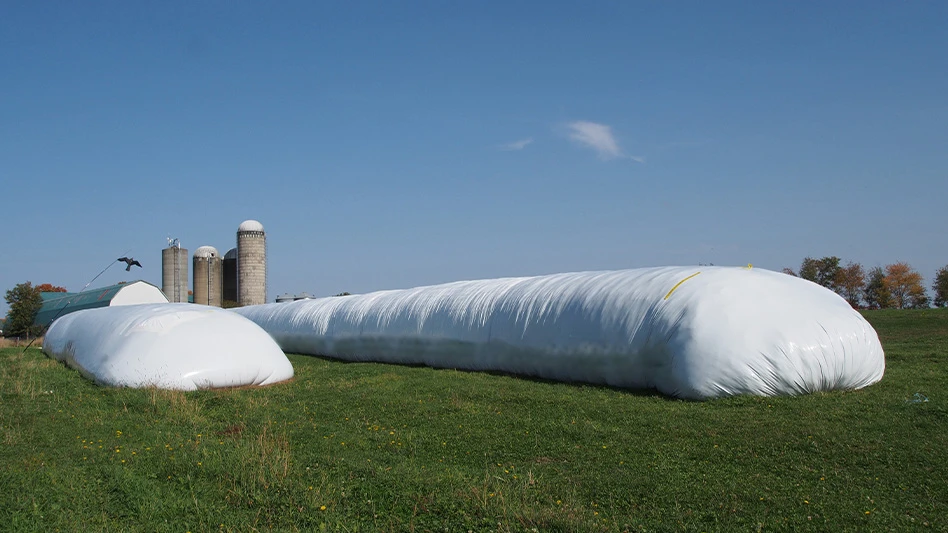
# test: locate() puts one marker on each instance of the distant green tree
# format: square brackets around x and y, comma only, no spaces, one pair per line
[823,271]
[24,301]
[808,269]
[828,272]
[343,294]
[876,294]
[940,286]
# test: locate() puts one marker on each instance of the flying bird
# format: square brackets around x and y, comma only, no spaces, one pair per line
[130,261]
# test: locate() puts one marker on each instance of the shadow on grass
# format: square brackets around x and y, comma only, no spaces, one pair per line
[644,393]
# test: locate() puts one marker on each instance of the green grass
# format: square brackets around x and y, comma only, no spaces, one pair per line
[370,447]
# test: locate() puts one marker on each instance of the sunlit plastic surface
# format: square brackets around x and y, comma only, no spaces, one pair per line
[169,346]
[689,332]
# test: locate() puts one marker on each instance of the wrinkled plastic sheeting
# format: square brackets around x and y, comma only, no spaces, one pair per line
[689,332]
[169,346]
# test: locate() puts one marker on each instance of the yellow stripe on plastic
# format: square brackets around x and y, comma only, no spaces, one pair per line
[679,284]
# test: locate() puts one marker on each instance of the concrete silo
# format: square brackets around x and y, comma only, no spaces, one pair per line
[251,263]
[174,272]
[230,276]
[207,276]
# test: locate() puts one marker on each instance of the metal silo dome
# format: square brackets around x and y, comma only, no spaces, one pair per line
[206,252]
[231,254]
[250,225]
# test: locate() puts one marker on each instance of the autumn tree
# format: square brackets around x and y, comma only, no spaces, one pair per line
[49,287]
[940,286]
[905,286]
[876,294]
[24,301]
[789,271]
[822,271]
[850,283]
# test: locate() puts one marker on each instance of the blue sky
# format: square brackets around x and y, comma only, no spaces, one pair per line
[390,145]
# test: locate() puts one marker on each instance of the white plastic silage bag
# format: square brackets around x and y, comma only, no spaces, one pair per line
[169,346]
[689,332]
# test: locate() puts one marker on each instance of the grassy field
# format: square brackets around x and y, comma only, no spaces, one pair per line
[370,447]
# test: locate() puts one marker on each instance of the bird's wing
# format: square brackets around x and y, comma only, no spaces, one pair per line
[136,263]
[122,259]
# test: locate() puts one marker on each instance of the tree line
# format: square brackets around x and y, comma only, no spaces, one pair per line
[896,286]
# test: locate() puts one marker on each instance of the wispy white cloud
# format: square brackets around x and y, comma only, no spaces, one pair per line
[517,145]
[598,137]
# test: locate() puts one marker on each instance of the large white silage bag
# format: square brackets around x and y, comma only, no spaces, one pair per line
[690,332]
[168,346]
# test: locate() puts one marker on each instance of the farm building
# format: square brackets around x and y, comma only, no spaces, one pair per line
[57,304]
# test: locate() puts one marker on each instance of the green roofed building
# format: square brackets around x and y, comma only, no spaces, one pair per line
[57,304]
